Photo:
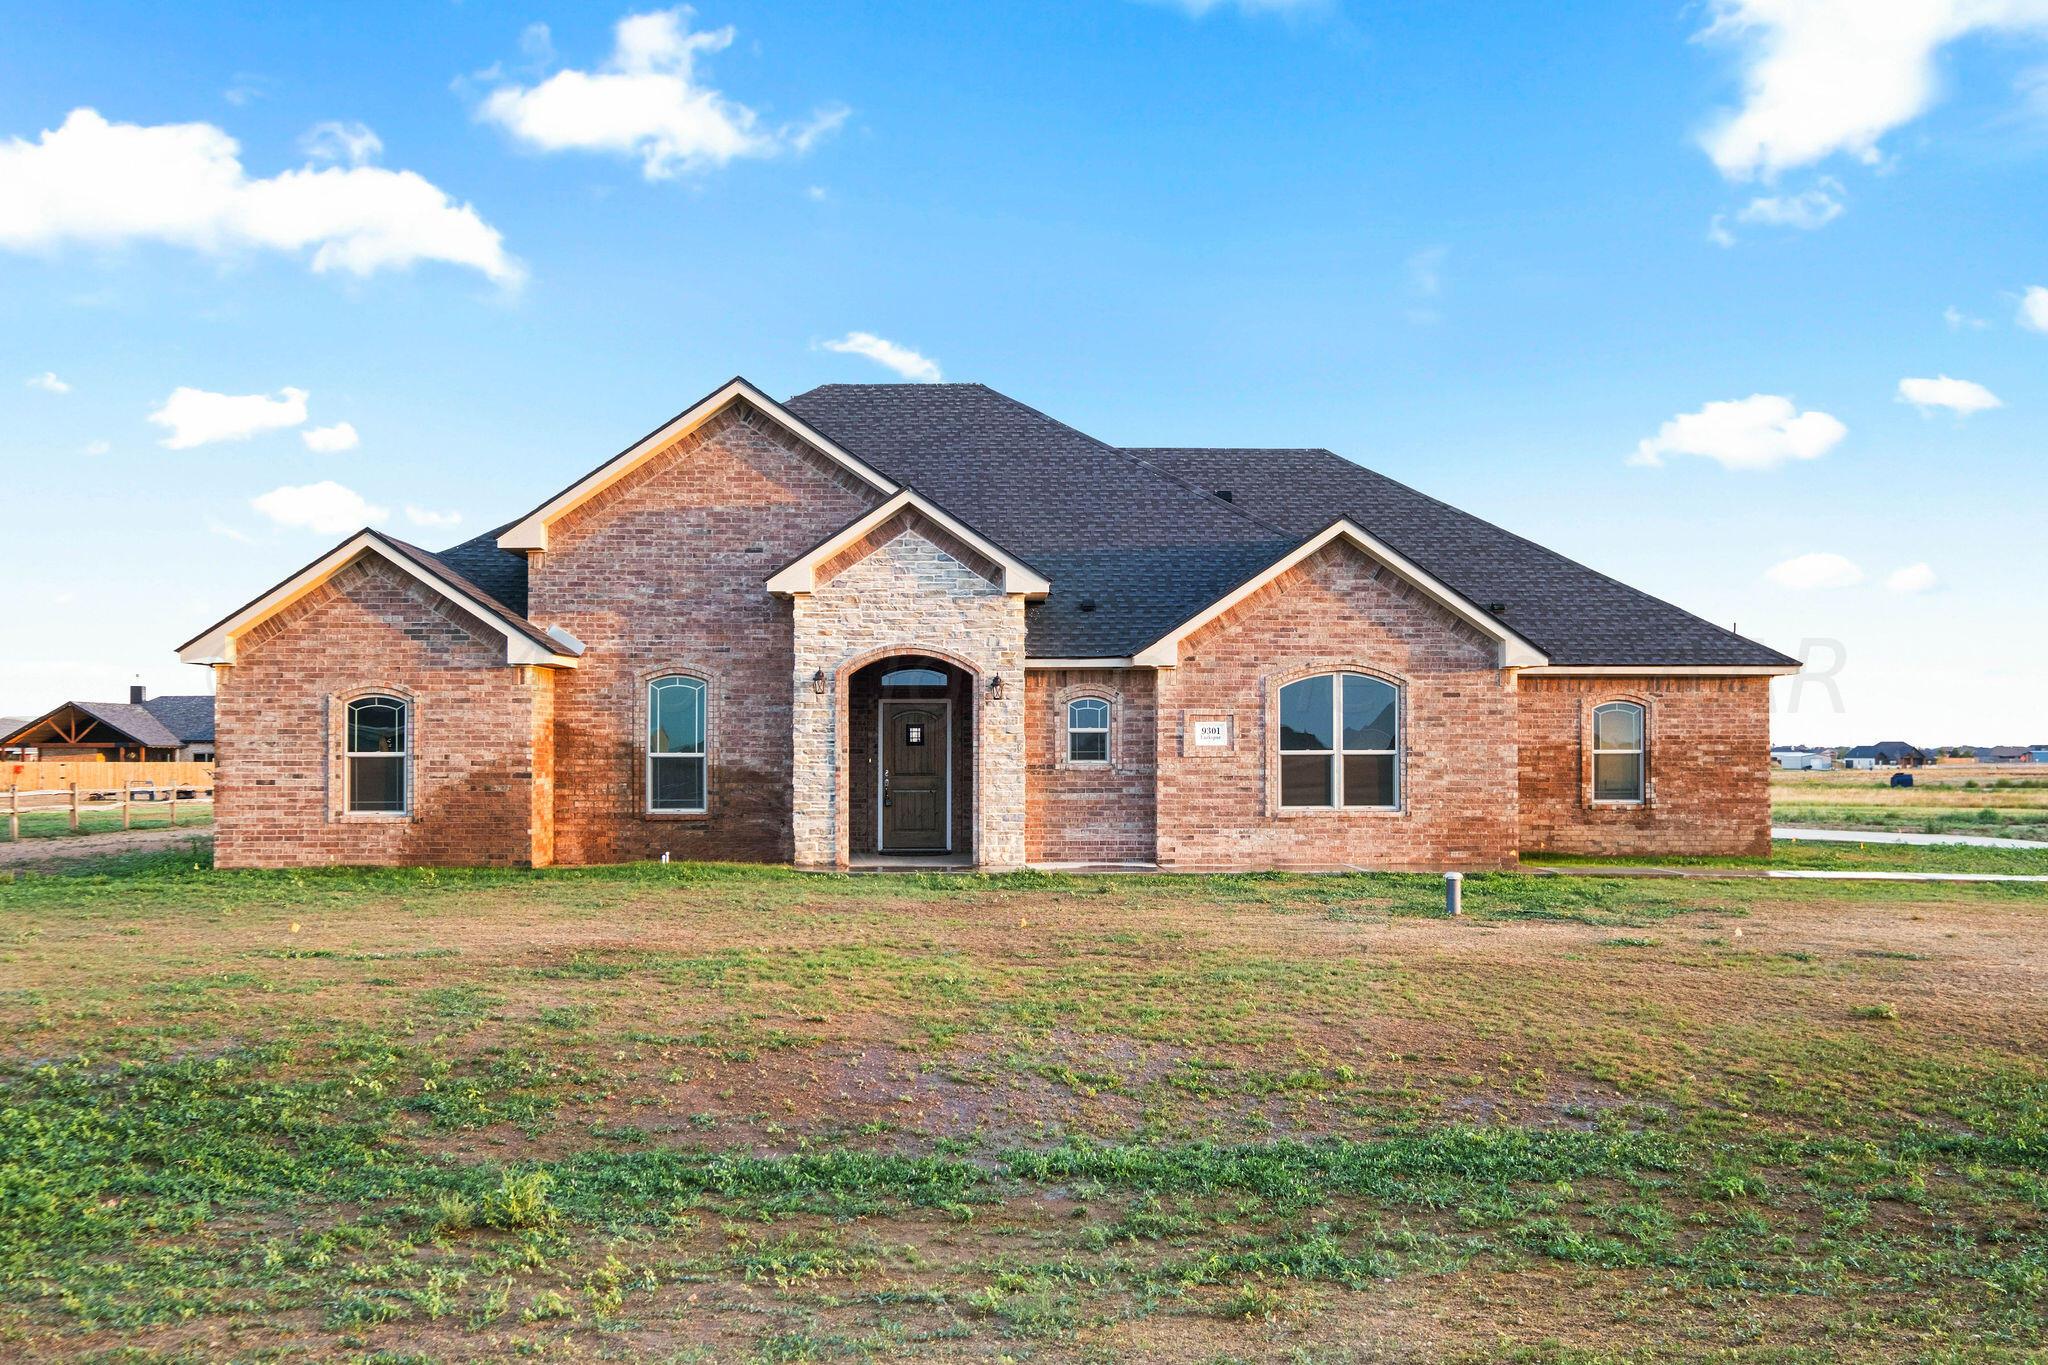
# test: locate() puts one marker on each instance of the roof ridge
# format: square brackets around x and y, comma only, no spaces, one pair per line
[1129,453]
[1206,495]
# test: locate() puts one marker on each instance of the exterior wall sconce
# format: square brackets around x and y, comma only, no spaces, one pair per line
[818,682]
[995,686]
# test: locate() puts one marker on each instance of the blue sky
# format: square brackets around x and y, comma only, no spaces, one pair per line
[1643,284]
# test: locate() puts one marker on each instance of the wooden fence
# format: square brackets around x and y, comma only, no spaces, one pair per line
[94,776]
[88,786]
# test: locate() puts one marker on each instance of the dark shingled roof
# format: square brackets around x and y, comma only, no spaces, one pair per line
[1574,614]
[133,721]
[500,574]
[1140,538]
[190,718]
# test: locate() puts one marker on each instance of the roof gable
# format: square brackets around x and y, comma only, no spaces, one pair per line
[530,532]
[1515,652]
[525,642]
[126,720]
[800,575]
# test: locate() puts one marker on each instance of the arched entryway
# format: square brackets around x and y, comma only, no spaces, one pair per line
[911,763]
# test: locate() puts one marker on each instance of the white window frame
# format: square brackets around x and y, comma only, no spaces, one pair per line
[1641,752]
[1334,757]
[1102,729]
[702,753]
[349,754]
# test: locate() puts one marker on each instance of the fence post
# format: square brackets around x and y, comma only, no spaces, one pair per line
[174,803]
[13,812]
[74,805]
[127,796]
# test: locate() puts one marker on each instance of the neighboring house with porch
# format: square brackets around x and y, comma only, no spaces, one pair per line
[930,621]
[141,729]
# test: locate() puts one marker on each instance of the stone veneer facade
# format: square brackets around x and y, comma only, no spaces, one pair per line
[909,589]
[666,570]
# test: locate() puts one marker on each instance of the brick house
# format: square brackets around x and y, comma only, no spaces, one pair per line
[929,621]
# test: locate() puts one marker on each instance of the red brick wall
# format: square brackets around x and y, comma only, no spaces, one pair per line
[1337,611]
[1709,767]
[279,724]
[1090,813]
[666,569]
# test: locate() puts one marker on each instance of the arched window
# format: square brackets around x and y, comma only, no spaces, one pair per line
[379,753]
[1340,742]
[675,744]
[1618,753]
[914,677]
[1088,730]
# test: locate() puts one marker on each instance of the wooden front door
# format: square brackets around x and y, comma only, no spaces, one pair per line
[916,745]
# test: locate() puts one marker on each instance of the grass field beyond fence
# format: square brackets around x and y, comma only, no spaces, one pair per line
[701,1112]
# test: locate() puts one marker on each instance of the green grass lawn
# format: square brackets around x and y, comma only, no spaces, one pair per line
[703,1112]
[54,824]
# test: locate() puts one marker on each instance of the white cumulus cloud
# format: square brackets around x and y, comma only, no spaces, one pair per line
[1959,396]
[105,184]
[2034,309]
[648,100]
[331,440]
[195,417]
[421,516]
[1913,578]
[1807,210]
[1822,77]
[888,355]
[1761,431]
[95,448]
[351,143]
[48,382]
[325,507]
[1821,569]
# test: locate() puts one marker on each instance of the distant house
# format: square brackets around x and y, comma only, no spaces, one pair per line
[2038,753]
[1890,753]
[141,729]
[1796,760]
[2004,753]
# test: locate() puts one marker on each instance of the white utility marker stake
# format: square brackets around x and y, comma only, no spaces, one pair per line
[664,855]
[1454,893]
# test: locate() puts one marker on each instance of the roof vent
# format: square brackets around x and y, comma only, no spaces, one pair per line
[1087,604]
[1497,608]
[1226,495]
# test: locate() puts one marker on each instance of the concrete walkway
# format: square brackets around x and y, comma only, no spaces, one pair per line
[1764,874]
[1887,836]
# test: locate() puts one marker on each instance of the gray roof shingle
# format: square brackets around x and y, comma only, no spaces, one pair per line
[1136,541]
[190,718]
[133,721]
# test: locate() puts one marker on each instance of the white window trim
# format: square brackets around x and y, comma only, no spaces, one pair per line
[1641,752]
[1106,730]
[649,753]
[1397,753]
[403,755]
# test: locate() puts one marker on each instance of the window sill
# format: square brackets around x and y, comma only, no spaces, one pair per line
[1296,812]
[1617,806]
[665,815]
[377,816]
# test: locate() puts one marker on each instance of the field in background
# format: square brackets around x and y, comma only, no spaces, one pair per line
[2006,800]
[719,1113]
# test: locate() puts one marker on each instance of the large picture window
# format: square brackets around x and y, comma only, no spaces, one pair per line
[1340,742]
[378,754]
[1618,752]
[675,744]
[1088,730]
